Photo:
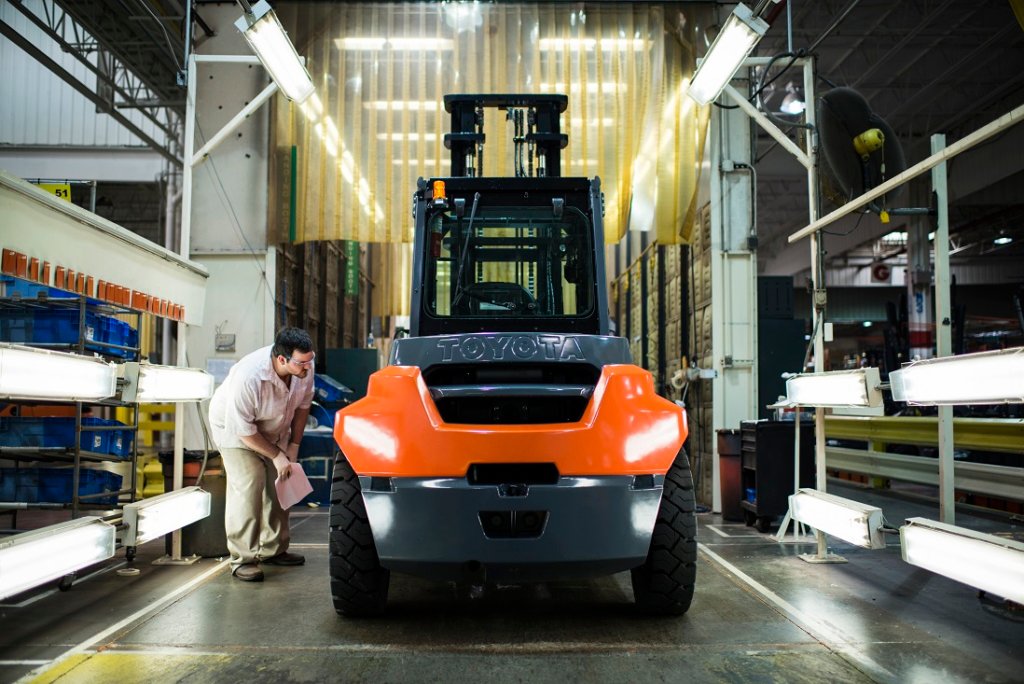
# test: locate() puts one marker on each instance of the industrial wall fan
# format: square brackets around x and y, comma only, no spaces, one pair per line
[861,149]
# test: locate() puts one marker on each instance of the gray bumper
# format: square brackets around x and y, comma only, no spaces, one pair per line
[439,528]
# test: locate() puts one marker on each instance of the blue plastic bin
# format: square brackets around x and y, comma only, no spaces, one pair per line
[327,390]
[16,431]
[19,484]
[55,485]
[120,441]
[16,326]
[26,289]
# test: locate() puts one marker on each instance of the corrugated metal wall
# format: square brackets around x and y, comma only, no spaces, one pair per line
[38,108]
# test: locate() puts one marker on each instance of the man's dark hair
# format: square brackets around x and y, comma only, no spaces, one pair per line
[291,339]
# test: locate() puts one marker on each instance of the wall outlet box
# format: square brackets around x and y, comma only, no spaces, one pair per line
[224,343]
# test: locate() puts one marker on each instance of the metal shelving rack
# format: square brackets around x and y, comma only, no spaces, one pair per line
[75,454]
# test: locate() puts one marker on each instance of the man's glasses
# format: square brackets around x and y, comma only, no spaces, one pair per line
[303,364]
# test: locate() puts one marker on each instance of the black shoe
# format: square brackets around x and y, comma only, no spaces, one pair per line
[249,572]
[284,559]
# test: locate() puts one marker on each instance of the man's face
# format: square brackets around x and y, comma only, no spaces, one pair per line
[300,363]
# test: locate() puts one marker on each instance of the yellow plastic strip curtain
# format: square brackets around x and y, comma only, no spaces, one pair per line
[377,120]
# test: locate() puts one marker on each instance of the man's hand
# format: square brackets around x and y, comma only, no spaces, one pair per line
[283,465]
[293,452]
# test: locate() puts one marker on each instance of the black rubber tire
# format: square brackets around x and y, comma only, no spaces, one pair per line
[359,585]
[763,524]
[749,517]
[664,584]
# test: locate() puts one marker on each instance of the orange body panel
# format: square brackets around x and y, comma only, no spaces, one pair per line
[396,431]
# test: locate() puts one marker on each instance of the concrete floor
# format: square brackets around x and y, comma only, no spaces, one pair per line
[760,614]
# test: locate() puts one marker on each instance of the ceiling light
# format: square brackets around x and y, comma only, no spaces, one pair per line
[851,521]
[791,104]
[993,564]
[160,515]
[866,324]
[29,559]
[1003,240]
[995,377]
[607,88]
[588,44]
[402,105]
[410,137]
[852,388]
[737,39]
[404,44]
[602,121]
[268,40]
[353,43]
[463,16]
[27,373]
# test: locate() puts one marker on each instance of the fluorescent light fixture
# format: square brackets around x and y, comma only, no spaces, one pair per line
[995,377]
[267,38]
[857,387]
[27,373]
[851,521]
[424,162]
[168,383]
[608,88]
[360,43]
[1004,240]
[410,137]
[142,382]
[735,41]
[32,558]
[588,44]
[990,563]
[404,44]
[602,121]
[160,515]
[400,105]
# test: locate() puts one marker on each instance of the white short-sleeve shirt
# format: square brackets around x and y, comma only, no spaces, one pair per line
[253,398]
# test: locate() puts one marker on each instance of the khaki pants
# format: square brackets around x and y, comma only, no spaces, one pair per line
[255,524]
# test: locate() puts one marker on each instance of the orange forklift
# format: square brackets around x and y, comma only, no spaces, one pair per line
[510,439]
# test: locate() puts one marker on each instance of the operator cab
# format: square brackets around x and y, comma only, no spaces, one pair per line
[522,253]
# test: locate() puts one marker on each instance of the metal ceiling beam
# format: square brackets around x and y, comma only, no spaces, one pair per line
[130,100]
[41,57]
[932,92]
[107,22]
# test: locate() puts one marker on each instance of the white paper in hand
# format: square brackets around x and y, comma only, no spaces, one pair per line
[293,489]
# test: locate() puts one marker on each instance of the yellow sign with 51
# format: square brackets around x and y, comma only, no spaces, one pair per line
[61,190]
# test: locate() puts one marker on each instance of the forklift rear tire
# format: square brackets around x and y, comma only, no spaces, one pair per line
[663,585]
[359,585]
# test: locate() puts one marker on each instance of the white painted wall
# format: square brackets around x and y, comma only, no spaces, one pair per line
[240,301]
[229,207]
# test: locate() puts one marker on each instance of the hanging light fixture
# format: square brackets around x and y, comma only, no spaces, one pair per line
[737,39]
[268,40]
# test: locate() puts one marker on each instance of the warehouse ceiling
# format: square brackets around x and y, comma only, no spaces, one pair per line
[926,66]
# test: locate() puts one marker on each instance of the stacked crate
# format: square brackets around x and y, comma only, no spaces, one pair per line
[674,315]
[700,393]
[654,334]
[636,309]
